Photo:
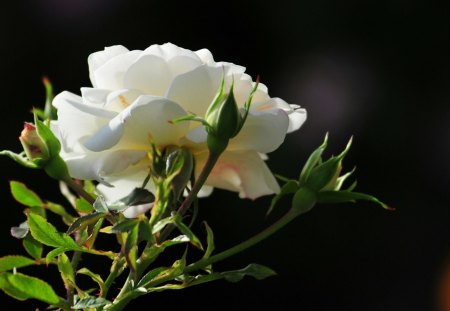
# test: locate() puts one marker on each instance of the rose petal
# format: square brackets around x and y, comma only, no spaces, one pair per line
[146,119]
[76,120]
[98,59]
[111,74]
[125,182]
[195,89]
[136,210]
[168,50]
[96,165]
[297,115]
[241,171]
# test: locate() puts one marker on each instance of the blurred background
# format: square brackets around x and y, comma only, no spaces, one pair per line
[377,70]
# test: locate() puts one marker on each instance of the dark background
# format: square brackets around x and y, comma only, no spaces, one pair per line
[378,70]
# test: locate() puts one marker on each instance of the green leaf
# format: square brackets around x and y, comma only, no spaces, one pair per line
[303,201]
[130,247]
[149,276]
[161,224]
[14,261]
[210,241]
[33,247]
[95,277]
[186,231]
[312,161]
[291,186]
[52,254]
[66,270]
[90,302]
[23,287]
[20,158]
[259,272]
[348,196]
[83,206]
[124,225]
[24,195]
[61,211]
[47,234]
[137,197]
[84,221]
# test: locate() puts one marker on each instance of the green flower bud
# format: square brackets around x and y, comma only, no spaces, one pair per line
[224,120]
[325,176]
[33,145]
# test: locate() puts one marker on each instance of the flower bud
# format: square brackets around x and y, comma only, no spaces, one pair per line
[224,120]
[325,176]
[33,145]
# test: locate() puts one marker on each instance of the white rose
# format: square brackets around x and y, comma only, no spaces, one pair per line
[105,133]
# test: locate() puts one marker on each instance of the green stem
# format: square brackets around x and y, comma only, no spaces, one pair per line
[209,165]
[79,190]
[280,223]
[74,263]
[115,272]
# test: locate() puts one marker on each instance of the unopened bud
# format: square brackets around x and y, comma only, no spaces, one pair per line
[33,145]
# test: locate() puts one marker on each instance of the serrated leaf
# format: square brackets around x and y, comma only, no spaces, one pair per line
[259,272]
[186,231]
[95,277]
[32,247]
[84,221]
[291,186]
[14,261]
[210,241]
[66,270]
[90,302]
[52,254]
[348,196]
[83,206]
[47,234]
[23,287]
[24,195]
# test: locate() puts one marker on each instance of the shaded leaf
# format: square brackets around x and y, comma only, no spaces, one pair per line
[24,195]
[124,225]
[312,161]
[84,221]
[161,224]
[291,186]
[210,241]
[95,277]
[90,302]
[186,231]
[23,287]
[347,196]
[33,247]
[14,261]
[259,272]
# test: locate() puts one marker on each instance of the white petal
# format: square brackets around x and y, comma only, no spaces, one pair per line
[297,115]
[111,74]
[168,50]
[264,130]
[119,100]
[76,120]
[241,171]
[136,210]
[198,134]
[98,59]
[125,182]
[149,73]
[97,165]
[195,89]
[205,55]
[147,118]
